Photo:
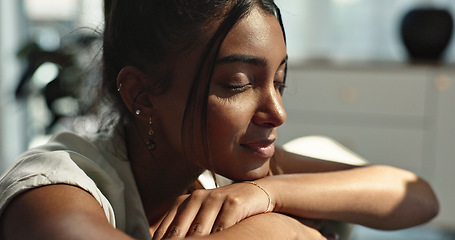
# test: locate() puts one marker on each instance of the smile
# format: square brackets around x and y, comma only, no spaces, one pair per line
[265,149]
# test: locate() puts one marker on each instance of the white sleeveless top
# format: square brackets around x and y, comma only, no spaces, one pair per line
[96,164]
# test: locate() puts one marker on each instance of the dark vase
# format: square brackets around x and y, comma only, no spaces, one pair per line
[426,32]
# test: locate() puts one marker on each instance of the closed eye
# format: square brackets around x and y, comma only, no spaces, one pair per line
[280,86]
[239,88]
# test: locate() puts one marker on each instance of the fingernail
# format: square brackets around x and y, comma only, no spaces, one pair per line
[174,232]
[218,229]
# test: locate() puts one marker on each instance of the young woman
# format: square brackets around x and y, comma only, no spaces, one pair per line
[196,85]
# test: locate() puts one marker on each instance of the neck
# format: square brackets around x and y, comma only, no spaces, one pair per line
[161,175]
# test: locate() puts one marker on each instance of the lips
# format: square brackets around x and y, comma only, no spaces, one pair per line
[264,148]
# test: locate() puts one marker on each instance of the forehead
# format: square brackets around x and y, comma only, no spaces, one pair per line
[256,33]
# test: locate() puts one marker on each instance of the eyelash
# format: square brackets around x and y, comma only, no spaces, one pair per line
[279,85]
[240,88]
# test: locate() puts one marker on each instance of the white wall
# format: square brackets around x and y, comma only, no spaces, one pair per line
[350,30]
[12,115]
[14,32]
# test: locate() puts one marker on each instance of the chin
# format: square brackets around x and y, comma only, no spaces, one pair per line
[249,175]
[258,174]
[255,168]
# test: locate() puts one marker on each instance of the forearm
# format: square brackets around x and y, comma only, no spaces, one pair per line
[375,196]
[265,226]
[256,227]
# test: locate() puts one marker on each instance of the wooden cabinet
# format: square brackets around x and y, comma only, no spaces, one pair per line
[399,115]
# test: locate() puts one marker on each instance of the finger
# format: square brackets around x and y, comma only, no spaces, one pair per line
[229,214]
[186,213]
[210,209]
[168,219]
[162,228]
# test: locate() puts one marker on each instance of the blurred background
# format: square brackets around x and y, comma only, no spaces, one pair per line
[376,76]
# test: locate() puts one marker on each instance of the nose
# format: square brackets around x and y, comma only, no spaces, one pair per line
[270,111]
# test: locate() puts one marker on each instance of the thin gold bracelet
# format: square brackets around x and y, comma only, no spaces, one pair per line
[265,191]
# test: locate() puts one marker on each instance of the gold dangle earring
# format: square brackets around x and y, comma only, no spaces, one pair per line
[151,145]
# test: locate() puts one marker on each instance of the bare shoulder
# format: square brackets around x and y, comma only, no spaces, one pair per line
[56,212]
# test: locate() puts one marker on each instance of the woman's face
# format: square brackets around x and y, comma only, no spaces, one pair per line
[244,104]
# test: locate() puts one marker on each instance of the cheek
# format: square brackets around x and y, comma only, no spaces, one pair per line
[228,121]
[228,117]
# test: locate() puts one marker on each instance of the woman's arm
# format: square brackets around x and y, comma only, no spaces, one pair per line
[56,212]
[381,197]
[67,212]
[266,226]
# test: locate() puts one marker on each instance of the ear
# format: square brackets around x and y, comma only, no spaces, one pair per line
[133,85]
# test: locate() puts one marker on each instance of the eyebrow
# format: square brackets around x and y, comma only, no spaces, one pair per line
[248,59]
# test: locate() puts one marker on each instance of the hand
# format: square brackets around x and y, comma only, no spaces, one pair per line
[206,211]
